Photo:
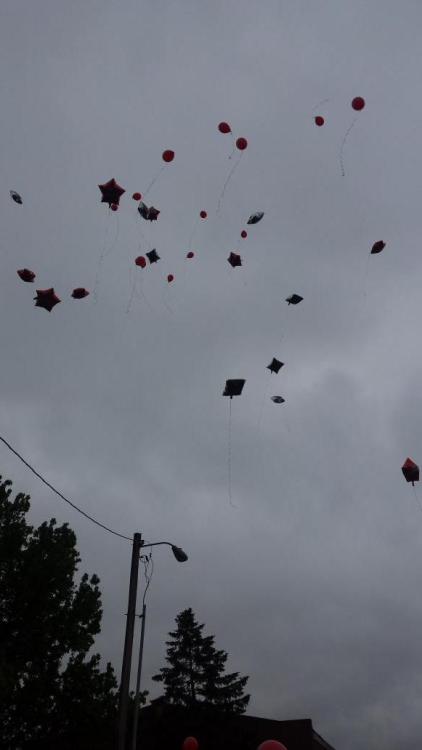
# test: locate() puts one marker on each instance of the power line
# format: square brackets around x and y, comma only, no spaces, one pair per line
[82,512]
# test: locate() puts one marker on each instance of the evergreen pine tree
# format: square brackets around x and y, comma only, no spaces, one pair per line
[195,674]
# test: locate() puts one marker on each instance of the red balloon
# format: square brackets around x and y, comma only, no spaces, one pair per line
[203,214]
[358,103]
[319,120]
[224,127]
[170,278]
[241,144]
[190,254]
[244,234]
[271,745]
[26,275]
[140,261]
[114,206]
[190,743]
[80,293]
[168,155]
[136,196]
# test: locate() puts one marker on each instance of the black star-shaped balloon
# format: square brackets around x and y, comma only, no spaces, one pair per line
[111,192]
[235,260]
[153,256]
[153,213]
[149,214]
[46,298]
[275,365]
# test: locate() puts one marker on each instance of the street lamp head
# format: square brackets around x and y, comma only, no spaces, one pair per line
[179,554]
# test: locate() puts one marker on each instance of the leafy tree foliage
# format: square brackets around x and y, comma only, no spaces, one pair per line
[52,692]
[195,674]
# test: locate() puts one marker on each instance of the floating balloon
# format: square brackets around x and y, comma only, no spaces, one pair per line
[234,387]
[136,196]
[275,365]
[294,299]
[358,103]
[190,743]
[377,247]
[224,127]
[140,261]
[46,298]
[244,234]
[241,144]
[410,471]
[114,206]
[153,256]
[170,278]
[203,214]
[278,399]
[319,121]
[190,254]
[26,275]
[234,259]
[168,155]
[80,293]
[271,745]
[256,217]
[149,214]
[16,197]
[111,193]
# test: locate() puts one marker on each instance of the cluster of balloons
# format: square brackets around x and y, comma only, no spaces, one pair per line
[241,142]
[47,298]
[358,104]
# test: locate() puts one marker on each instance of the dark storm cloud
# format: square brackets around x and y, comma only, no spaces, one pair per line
[310,581]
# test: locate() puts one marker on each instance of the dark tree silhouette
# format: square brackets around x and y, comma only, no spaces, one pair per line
[52,692]
[195,674]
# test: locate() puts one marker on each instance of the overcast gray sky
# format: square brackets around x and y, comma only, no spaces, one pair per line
[312,582]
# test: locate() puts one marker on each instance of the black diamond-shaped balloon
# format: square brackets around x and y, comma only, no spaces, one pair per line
[294,299]
[233,388]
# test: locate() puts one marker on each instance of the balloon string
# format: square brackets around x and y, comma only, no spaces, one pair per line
[286,318]
[343,173]
[132,293]
[195,226]
[365,280]
[139,292]
[264,398]
[105,252]
[154,180]
[229,455]
[229,176]
[323,101]
[416,497]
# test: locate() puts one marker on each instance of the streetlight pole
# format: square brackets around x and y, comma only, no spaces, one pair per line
[138,681]
[180,556]
[127,651]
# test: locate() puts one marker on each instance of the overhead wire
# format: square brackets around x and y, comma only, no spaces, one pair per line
[57,492]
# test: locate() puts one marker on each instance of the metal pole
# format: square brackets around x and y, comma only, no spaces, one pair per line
[138,681]
[127,651]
